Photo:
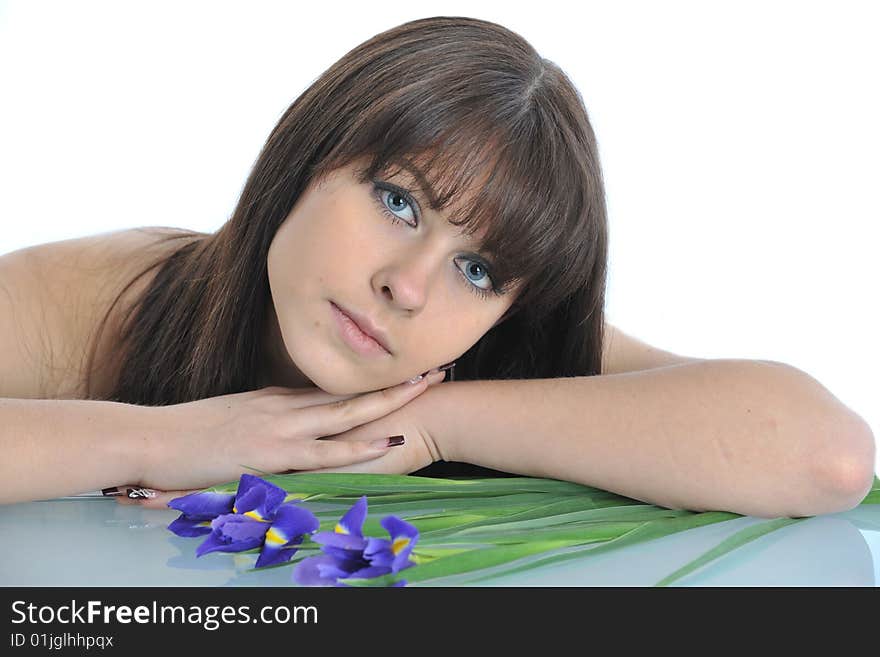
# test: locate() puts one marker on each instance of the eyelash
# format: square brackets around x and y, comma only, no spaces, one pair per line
[379,188]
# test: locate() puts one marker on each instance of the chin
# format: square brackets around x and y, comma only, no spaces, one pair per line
[337,386]
[337,376]
[347,390]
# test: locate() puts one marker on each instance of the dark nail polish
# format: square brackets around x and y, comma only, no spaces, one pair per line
[442,368]
[140,493]
[394,441]
[111,492]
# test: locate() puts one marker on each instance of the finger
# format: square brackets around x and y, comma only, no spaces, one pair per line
[155,499]
[337,417]
[319,454]
[304,397]
[376,466]
[307,397]
[434,380]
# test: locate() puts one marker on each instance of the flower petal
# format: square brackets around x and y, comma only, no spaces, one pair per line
[184,526]
[352,522]
[337,569]
[240,528]
[403,540]
[398,528]
[378,552]
[213,543]
[341,541]
[291,522]
[258,498]
[203,506]
[346,556]
[370,571]
[270,555]
[316,571]
[233,533]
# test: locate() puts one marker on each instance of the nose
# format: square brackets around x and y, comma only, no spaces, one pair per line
[405,282]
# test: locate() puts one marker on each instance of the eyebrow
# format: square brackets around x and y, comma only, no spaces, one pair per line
[428,191]
[426,188]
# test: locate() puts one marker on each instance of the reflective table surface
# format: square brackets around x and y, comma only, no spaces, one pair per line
[92,541]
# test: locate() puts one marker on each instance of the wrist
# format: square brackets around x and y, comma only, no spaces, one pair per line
[437,405]
[141,442]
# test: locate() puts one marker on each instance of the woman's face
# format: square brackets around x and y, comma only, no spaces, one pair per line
[366,249]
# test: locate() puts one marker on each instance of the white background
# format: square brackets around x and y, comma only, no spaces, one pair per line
[739,142]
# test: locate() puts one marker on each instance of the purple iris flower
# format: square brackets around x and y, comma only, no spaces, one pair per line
[197,510]
[348,554]
[256,516]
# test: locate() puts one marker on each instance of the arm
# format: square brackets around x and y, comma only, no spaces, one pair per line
[752,437]
[57,447]
[61,447]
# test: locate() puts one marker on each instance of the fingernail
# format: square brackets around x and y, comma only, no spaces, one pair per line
[391,441]
[436,370]
[111,492]
[140,493]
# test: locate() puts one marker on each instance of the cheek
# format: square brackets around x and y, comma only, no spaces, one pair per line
[454,333]
[301,256]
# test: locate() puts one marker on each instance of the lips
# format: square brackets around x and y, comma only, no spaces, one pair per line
[365,326]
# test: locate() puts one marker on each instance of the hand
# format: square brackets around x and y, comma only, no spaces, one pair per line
[417,451]
[208,441]
[410,421]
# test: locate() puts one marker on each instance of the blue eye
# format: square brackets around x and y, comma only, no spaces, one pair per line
[393,201]
[481,277]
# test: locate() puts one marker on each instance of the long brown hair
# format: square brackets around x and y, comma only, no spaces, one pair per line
[459,100]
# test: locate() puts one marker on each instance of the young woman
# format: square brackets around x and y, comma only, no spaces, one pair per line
[435,197]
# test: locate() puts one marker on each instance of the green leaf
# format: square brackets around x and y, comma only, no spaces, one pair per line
[432,502]
[423,554]
[373,528]
[732,542]
[471,560]
[873,496]
[393,499]
[572,533]
[473,524]
[634,512]
[551,506]
[645,532]
[364,484]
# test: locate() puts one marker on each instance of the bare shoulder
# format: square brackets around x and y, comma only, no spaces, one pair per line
[58,295]
[625,353]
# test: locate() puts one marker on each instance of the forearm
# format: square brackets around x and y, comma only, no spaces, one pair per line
[750,437]
[62,447]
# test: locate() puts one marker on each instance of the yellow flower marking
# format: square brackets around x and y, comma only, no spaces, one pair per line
[341,530]
[275,537]
[254,515]
[399,544]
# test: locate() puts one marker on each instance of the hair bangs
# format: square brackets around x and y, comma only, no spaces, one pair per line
[490,149]
[496,185]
